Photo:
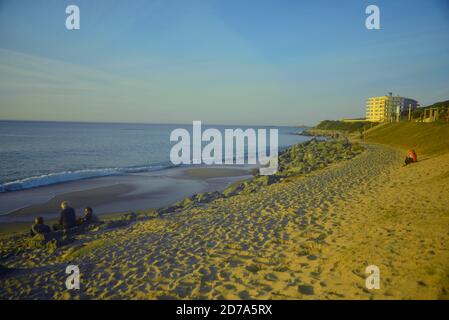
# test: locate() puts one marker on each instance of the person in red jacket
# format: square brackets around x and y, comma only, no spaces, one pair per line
[411,157]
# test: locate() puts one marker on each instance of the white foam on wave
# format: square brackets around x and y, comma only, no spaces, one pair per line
[67,176]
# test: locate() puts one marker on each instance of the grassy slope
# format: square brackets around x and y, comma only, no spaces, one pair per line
[425,138]
[348,127]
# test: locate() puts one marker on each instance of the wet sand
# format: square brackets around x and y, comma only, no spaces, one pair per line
[117,194]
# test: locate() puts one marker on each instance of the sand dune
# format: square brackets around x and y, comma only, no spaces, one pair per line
[308,237]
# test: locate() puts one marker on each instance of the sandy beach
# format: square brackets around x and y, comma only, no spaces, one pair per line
[223,151]
[307,237]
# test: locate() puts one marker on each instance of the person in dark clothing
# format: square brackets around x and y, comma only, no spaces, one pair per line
[411,157]
[88,217]
[39,227]
[407,161]
[67,218]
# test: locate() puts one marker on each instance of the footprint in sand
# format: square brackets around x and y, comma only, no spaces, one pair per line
[244,295]
[306,289]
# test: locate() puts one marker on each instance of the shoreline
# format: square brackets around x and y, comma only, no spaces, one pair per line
[121,193]
[308,236]
[118,195]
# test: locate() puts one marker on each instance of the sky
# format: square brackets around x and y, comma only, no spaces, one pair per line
[248,62]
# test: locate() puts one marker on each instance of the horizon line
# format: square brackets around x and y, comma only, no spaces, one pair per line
[150,123]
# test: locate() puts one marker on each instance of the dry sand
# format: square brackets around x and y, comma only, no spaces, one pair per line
[307,237]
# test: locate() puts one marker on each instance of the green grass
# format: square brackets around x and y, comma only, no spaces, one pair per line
[349,127]
[426,138]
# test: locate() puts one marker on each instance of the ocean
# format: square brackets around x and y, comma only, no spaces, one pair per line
[34,154]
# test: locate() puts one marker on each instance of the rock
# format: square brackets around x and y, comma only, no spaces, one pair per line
[130,216]
[186,203]
[206,197]
[233,189]
[266,180]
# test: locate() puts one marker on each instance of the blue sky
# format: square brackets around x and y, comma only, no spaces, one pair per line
[225,62]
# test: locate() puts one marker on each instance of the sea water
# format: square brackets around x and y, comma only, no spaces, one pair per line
[34,154]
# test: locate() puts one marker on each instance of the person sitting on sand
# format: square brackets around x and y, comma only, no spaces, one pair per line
[39,227]
[88,217]
[411,157]
[67,218]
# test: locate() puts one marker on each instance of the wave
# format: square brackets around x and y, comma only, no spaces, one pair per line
[67,176]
